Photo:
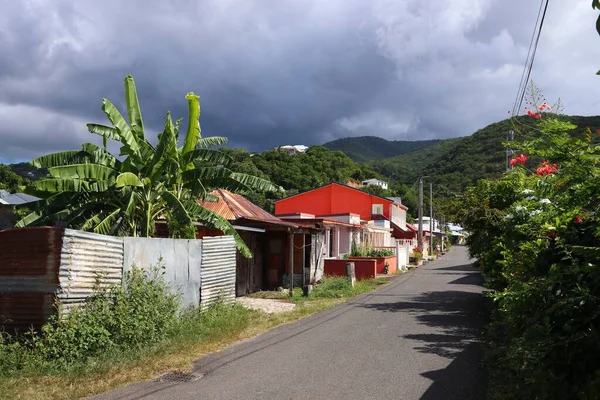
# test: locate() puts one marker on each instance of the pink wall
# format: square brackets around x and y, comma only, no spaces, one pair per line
[364,269]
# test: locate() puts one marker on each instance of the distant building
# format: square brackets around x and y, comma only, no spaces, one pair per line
[7,203]
[375,182]
[293,149]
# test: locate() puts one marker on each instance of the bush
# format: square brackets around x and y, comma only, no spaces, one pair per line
[536,237]
[138,313]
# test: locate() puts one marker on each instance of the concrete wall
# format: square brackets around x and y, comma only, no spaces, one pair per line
[379,262]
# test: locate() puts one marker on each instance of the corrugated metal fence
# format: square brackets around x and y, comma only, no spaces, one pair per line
[218,270]
[43,266]
[87,260]
[180,258]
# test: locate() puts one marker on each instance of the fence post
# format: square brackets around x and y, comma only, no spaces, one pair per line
[350,274]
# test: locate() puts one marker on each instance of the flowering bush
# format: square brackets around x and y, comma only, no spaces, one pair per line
[518,160]
[537,241]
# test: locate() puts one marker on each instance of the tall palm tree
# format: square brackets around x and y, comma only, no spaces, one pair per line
[91,189]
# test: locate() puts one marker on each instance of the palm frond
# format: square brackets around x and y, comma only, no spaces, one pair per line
[193,130]
[133,108]
[126,136]
[83,171]
[212,141]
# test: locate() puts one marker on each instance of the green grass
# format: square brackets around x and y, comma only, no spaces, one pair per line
[196,333]
[331,287]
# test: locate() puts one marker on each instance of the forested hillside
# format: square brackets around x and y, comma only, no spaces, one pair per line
[454,164]
[305,171]
[451,164]
[371,148]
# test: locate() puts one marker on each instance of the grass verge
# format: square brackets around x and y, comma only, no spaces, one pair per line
[197,334]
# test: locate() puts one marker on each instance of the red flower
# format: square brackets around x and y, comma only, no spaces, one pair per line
[518,160]
[544,107]
[538,116]
[546,168]
[577,219]
[530,113]
[598,132]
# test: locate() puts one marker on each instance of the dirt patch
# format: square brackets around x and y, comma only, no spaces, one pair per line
[270,306]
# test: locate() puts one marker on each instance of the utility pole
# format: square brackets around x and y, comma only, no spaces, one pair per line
[431,217]
[443,231]
[420,231]
[509,152]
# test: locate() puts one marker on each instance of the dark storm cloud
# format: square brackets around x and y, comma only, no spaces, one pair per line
[284,72]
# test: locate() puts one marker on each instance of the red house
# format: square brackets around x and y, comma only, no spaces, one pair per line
[337,199]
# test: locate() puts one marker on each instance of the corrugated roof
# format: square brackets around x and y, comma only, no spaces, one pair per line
[234,207]
[18,198]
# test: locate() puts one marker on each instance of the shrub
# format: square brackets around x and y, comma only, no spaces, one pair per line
[535,235]
[138,313]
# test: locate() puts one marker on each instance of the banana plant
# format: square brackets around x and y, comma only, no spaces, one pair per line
[91,189]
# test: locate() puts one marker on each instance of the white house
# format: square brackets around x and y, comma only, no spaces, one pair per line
[293,149]
[375,182]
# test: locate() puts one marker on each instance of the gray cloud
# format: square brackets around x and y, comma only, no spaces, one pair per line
[284,72]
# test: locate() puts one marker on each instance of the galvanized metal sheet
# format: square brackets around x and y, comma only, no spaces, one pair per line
[180,258]
[87,260]
[218,270]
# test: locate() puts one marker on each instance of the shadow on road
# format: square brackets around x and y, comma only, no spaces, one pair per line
[458,318]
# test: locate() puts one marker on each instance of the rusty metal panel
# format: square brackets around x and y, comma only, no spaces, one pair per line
[87,259]
[233,207]
[218,270]
[29,260]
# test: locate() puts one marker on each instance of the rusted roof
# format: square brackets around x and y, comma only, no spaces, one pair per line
[235,207]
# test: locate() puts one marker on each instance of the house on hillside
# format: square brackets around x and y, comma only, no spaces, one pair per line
[293,149]
[375,182]
[8,202]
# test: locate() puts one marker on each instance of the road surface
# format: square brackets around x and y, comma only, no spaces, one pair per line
[415,338]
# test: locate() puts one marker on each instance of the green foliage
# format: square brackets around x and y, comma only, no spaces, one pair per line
[360,250]
[457,163]
[371,148]
[380,253]
[117,323]
[536,238]
[138,313]
[10,181]
[337,287]
[91,189]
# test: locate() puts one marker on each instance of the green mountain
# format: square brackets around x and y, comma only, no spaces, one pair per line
[369,148]
[454,164]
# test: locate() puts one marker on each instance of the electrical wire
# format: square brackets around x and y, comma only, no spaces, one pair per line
[533,45]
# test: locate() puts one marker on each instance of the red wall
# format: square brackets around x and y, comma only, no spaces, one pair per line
[391,260]
[363,269]
[332,199]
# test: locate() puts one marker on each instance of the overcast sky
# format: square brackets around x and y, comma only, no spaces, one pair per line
[273,72]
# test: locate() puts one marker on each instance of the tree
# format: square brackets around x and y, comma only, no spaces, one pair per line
[9,180]
[92,190]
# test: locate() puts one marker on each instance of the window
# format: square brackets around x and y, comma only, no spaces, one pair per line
[377,209]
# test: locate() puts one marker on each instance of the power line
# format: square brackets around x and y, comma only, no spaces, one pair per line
[526,74]
[535,39]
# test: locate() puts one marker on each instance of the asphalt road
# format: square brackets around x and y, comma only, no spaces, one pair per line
[415,338]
